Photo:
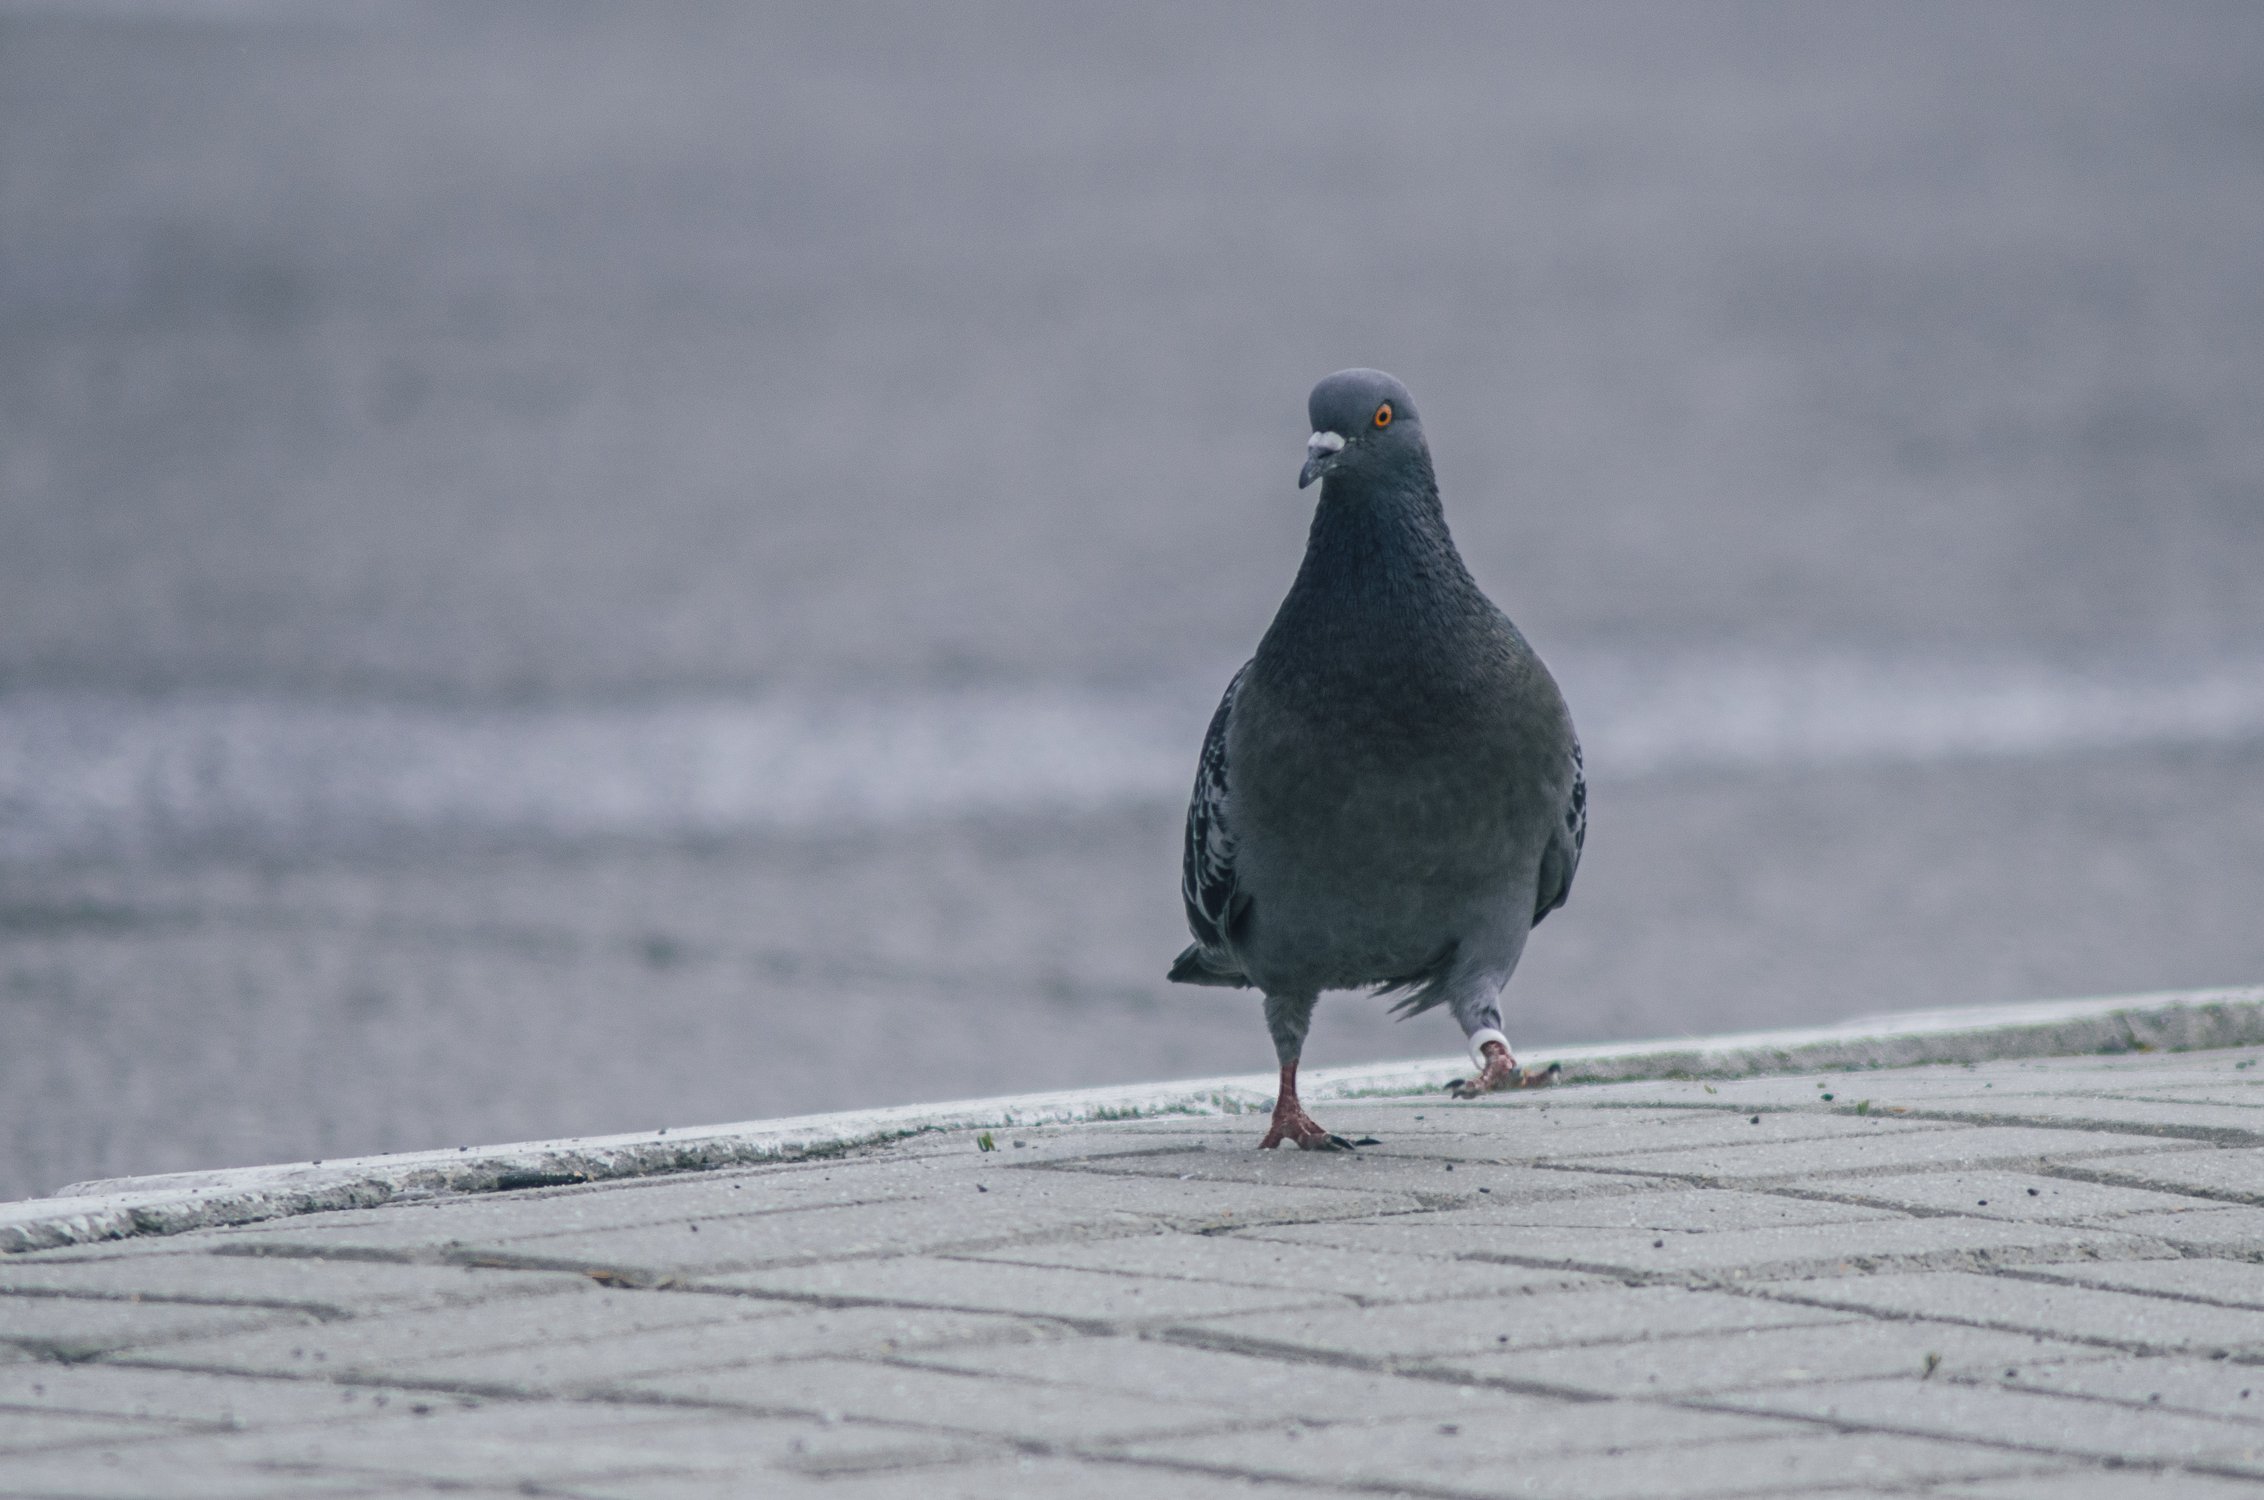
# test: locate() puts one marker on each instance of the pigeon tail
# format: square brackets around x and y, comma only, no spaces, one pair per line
[1201,965]
[1423,989]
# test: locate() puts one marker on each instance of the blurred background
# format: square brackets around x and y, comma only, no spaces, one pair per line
[580,568]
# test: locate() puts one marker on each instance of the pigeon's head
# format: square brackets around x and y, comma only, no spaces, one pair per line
[1364,425]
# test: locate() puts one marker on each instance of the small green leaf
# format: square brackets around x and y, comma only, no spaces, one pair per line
[984,1142]
[1863,1106]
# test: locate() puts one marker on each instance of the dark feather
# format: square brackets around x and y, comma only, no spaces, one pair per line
[1562,857]
[1199,965]
[1206,871]
[1424,988]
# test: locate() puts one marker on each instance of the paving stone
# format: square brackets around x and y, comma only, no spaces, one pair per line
[1755,1358]
[502,1217]
[2235,1283]
[1698,1208]
[158,1471]
[1890,1085]
[2201,1230]
[1484,1134]
[770,1455]
[448,1222]
[1235,1385]
[83,1327]
[1531,1320]
[1416,1245]
[1592,1452]
[1895,1145]
[1715,1125]
[1800,1249]
[2120,1483]
[1560,1110]
[544,1444]
[1998,1195]
[587,1365]
[976,1211]
[2153,1116]
[2018,1075]
[326,1287]
[676,1246]
[629,1203]
[2213,1387]
[823,1236]
[1797,1249]
[1017,1477]
[837,1453]
[1433,1180]
[1882,1087]
[2142,1324]
[1238,1259]
[1572,1137]
[2037,1420]
[2241,1088]
[2231,1173]
[189,1398]
[31,1431]
[1515,1425]
[1049,1291]
[1030,1411]
[194,1242]
[1195,1205]
[392,1347]
[1992,1088]
[1446,1234]
[1044,1144]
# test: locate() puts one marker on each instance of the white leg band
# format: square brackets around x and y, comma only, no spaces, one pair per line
[1478,1040]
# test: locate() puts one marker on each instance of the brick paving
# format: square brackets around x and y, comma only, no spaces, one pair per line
[2010,1279]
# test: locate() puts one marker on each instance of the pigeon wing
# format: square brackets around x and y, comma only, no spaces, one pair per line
[1562,857]
[1206,871]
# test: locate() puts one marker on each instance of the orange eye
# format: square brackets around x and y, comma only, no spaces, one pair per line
[1383,415]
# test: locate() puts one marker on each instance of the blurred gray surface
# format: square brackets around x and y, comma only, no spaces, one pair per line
[534,363]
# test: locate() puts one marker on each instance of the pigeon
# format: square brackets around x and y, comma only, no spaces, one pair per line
[1390,795]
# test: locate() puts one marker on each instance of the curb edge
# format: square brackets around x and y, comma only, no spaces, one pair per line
[131,1207]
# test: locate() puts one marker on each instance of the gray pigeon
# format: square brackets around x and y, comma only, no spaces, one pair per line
[1390,794]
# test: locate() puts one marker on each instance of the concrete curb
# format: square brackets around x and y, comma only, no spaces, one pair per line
[123,1207]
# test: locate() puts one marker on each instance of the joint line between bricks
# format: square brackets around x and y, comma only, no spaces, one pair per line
[1856,1425]
[2098,1341]
[1267,1476]
[2027,1274]
[324,1312]
[2079,1172]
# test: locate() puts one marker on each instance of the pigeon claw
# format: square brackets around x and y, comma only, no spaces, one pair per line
[1298,1128]
[1502,1072]
[1318,1140]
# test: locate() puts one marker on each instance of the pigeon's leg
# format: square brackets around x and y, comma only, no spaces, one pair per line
[1289,1017]
[1480,1015]
[1499,1070]
[1291,1123]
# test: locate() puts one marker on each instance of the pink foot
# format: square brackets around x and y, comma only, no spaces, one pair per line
[1291,1123]
[1502,1072]
[1294,1125]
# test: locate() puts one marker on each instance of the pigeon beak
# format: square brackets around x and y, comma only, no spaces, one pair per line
[1321,450]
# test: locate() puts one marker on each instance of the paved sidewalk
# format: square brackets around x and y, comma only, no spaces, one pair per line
[2007,1279]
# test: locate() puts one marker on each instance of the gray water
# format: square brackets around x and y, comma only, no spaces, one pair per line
[570,569]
